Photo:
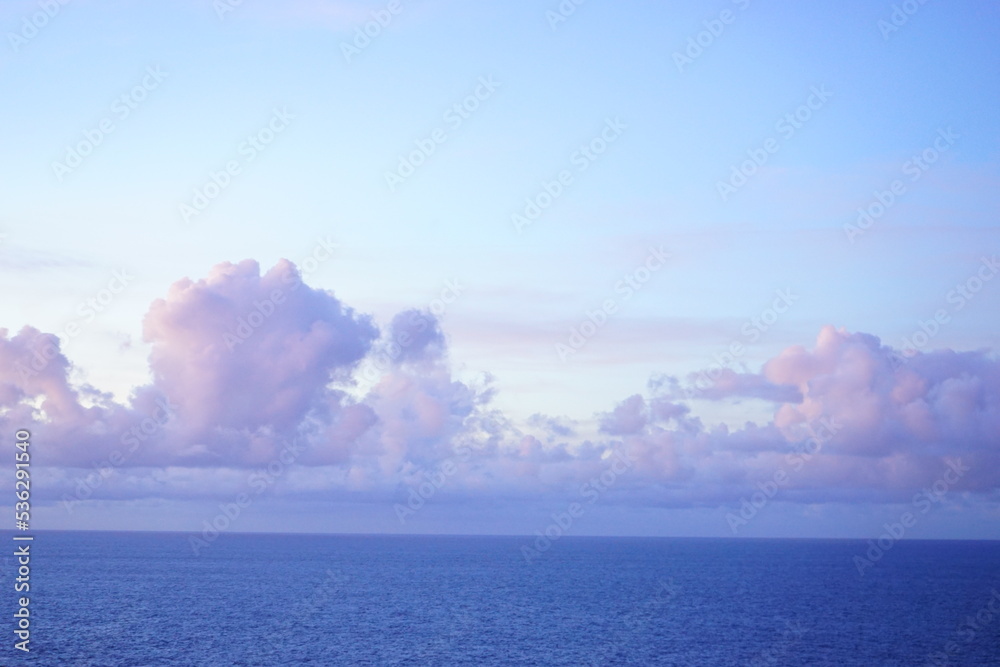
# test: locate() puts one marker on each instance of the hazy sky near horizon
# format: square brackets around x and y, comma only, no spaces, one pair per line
[715,236]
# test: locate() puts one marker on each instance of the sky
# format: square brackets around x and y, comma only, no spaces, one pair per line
[682,269]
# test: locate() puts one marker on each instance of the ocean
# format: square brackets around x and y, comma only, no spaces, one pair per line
[137,599]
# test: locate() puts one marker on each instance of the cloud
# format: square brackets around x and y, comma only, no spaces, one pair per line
[552,427]
[415,336]
[245,365]
[634,414]
[935,403]
[247,358]
[727,383]
[242,364]
[35,393]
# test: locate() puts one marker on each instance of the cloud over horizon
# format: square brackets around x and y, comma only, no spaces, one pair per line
[247,366]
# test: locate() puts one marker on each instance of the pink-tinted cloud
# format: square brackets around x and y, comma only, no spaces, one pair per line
[933,404]
[245,364]
[247,356]
[727,383]
[414,336]
[242,364]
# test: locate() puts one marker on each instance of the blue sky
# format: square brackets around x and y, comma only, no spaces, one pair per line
[888,97]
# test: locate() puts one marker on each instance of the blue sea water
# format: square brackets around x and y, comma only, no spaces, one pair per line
[139,599]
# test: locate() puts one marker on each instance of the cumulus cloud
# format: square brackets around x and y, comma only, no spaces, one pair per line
[247,358]
[244,365]
[635,413]
[414,336]
[35,392]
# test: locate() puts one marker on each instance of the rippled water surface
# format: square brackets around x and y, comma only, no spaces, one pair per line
[146,599]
